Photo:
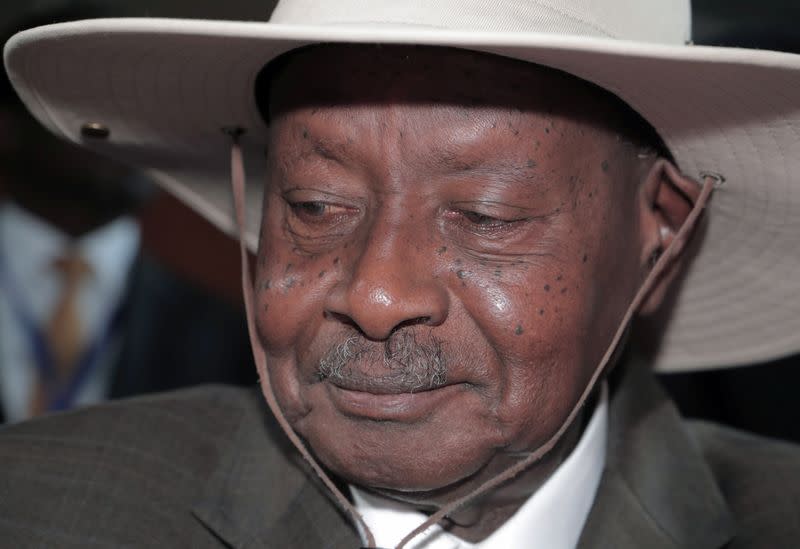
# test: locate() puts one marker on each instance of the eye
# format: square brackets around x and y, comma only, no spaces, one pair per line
[311,208]
[482,220]
[319,214]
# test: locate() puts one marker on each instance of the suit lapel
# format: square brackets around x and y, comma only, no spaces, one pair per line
[657,490]
[262,495]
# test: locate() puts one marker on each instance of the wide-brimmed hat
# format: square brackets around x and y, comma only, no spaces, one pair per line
[157,93]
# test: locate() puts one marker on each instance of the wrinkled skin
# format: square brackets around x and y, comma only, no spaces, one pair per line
[487,204]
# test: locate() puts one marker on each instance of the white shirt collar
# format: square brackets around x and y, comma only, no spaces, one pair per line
[29,245]
[553,516]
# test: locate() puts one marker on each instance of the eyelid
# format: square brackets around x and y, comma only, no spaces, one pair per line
[319,194]
[496,210]
[310,194]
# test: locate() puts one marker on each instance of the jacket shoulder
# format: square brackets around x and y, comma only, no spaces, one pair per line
[760,479]
[118,473]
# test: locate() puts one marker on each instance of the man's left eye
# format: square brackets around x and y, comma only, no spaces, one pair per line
[482,220]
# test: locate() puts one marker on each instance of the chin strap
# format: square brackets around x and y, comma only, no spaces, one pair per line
[238,188]
[237,184]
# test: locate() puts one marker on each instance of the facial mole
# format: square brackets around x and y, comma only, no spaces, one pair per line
[541,312]
[336,260]
[305,133]
[559,278]
[519,330]
[321,274]
[547,287]
[585,258]
[604,166]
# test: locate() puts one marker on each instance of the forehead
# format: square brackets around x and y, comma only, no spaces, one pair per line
[380,76]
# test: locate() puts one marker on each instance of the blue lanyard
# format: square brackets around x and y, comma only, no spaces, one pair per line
[59,397]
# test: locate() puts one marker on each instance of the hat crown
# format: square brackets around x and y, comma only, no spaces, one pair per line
[659,21]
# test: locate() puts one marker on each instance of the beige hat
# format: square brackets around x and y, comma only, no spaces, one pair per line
[157,92]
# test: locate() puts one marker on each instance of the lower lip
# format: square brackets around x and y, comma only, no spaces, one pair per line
[403,407]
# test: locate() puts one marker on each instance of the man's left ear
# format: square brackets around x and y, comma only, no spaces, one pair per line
[666,199]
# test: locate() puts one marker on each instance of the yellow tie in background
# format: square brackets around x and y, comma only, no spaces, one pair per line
[64,332]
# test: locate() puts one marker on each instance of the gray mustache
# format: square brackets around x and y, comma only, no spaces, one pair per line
[406,362]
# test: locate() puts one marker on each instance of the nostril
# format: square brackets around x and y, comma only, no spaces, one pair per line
[343,318]
[349,321]
[420,320]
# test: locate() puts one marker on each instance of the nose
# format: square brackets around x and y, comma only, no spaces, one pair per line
[391,284]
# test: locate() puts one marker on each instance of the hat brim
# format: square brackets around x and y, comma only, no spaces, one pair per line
[165,88]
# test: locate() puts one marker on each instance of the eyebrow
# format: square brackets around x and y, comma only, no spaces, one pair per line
[333,149]
[450,159]
[444,159]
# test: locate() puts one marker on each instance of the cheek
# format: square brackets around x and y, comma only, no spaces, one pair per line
[533,320]
[523,309]
[289,290]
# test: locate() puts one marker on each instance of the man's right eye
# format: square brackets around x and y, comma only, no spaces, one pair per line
[311,209]
[320,214]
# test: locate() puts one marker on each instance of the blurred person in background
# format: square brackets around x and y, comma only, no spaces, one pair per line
[85,315]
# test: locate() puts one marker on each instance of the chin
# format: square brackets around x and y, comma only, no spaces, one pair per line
[398,458]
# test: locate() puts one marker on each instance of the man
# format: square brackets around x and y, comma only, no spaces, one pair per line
[456,230]
[84,314]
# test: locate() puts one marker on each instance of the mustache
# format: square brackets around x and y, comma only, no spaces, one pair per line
[406,362]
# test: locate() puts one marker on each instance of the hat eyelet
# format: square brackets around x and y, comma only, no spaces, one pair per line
[718,178]
[95,130]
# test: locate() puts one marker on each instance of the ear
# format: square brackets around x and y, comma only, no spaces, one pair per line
[667,197]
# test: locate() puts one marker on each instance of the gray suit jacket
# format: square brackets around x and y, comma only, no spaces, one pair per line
[207,468]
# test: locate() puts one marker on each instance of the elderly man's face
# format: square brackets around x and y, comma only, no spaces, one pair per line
[449,241]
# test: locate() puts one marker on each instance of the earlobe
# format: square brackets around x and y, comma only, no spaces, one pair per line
[668,197]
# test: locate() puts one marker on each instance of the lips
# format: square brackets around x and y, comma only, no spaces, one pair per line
[390,401]
[384,385]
